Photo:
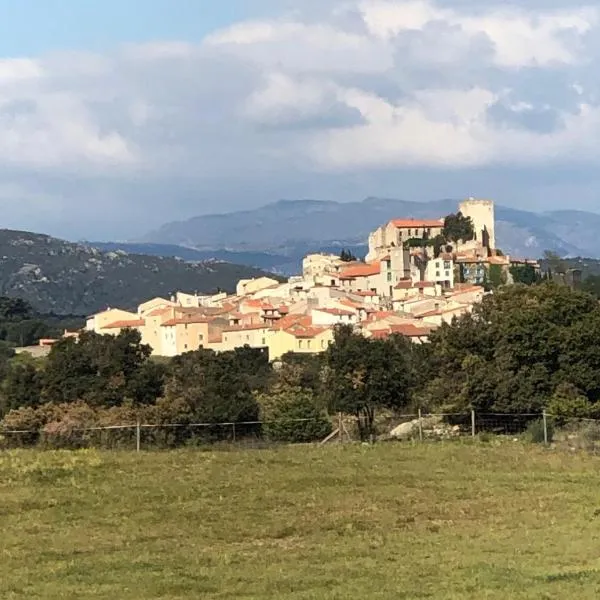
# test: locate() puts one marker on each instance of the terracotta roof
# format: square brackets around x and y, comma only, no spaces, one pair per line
[406,223]
[498,260]
[125,324]
[253,303]
[404,284]
[338,312]
[424,284]
[293,320]
[185,321]
[307,332]
[283,309]
[405,329]
[214,338]
[463,288]
[369,293]
[351,303]
[386,257]
[361,271]
[381,314]
[410,330]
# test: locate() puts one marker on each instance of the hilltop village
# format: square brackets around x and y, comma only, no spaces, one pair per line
[417,275]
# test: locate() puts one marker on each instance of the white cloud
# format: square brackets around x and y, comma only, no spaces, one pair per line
[335,89]
[520,37]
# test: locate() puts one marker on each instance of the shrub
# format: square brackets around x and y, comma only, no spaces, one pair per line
[535,431]
[568,402]
[292,414]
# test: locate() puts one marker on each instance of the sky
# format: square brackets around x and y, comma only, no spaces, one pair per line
[117,117]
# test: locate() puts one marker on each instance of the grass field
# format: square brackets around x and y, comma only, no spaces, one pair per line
[391,521]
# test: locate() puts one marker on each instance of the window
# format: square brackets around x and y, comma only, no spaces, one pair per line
[389,276]
[447,273]
[185,326]
[308,343]
[446,264]
[409,232]
[247,338]
[264,342]
[322,343]
[185,347]
[299,343]
[437,273]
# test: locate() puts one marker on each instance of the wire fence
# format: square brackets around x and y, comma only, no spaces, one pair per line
[572,433]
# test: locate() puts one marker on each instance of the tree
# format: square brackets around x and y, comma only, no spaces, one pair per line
[363,374]
[568,402]
[496,276]
[525,274]
[211,388]
[308,368]
[458,228]
[514,351]
[22,387]
[103,370]
[290,412]
[347,256]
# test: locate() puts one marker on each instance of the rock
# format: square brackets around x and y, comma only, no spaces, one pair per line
[404,431]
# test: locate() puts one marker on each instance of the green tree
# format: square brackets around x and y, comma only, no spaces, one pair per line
[101,370]
[290,412]
[309,368]
[210,388]
[458,228]
[347,256]
[364,374]
[525,274]
[514,350]
[22,387]
[568,402]
[496,276]
[591,285]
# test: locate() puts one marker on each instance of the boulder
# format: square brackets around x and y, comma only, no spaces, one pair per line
[405,431]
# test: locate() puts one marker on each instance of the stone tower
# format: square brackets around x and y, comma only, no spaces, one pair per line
[482,215]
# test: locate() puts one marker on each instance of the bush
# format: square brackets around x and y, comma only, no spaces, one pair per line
[535,431]
[568,402]
[292,414]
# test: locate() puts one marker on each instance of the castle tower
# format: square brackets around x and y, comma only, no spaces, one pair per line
[483,217]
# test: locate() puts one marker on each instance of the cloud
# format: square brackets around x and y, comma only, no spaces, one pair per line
[308,99]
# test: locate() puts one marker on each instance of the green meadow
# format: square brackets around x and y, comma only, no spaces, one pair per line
[444,521]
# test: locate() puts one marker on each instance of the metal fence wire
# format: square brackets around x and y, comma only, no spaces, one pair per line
[573,433]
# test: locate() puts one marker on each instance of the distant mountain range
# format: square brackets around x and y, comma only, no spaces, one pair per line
[61,277]
[275,237]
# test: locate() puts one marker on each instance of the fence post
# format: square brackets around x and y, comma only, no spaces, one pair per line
[420,426]
[138,436]
[545,420]
[233,431]
[340,428]
[473,423]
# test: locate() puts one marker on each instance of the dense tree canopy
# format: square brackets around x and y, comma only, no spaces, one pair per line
[458,228]
[514,351]
[364,374]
